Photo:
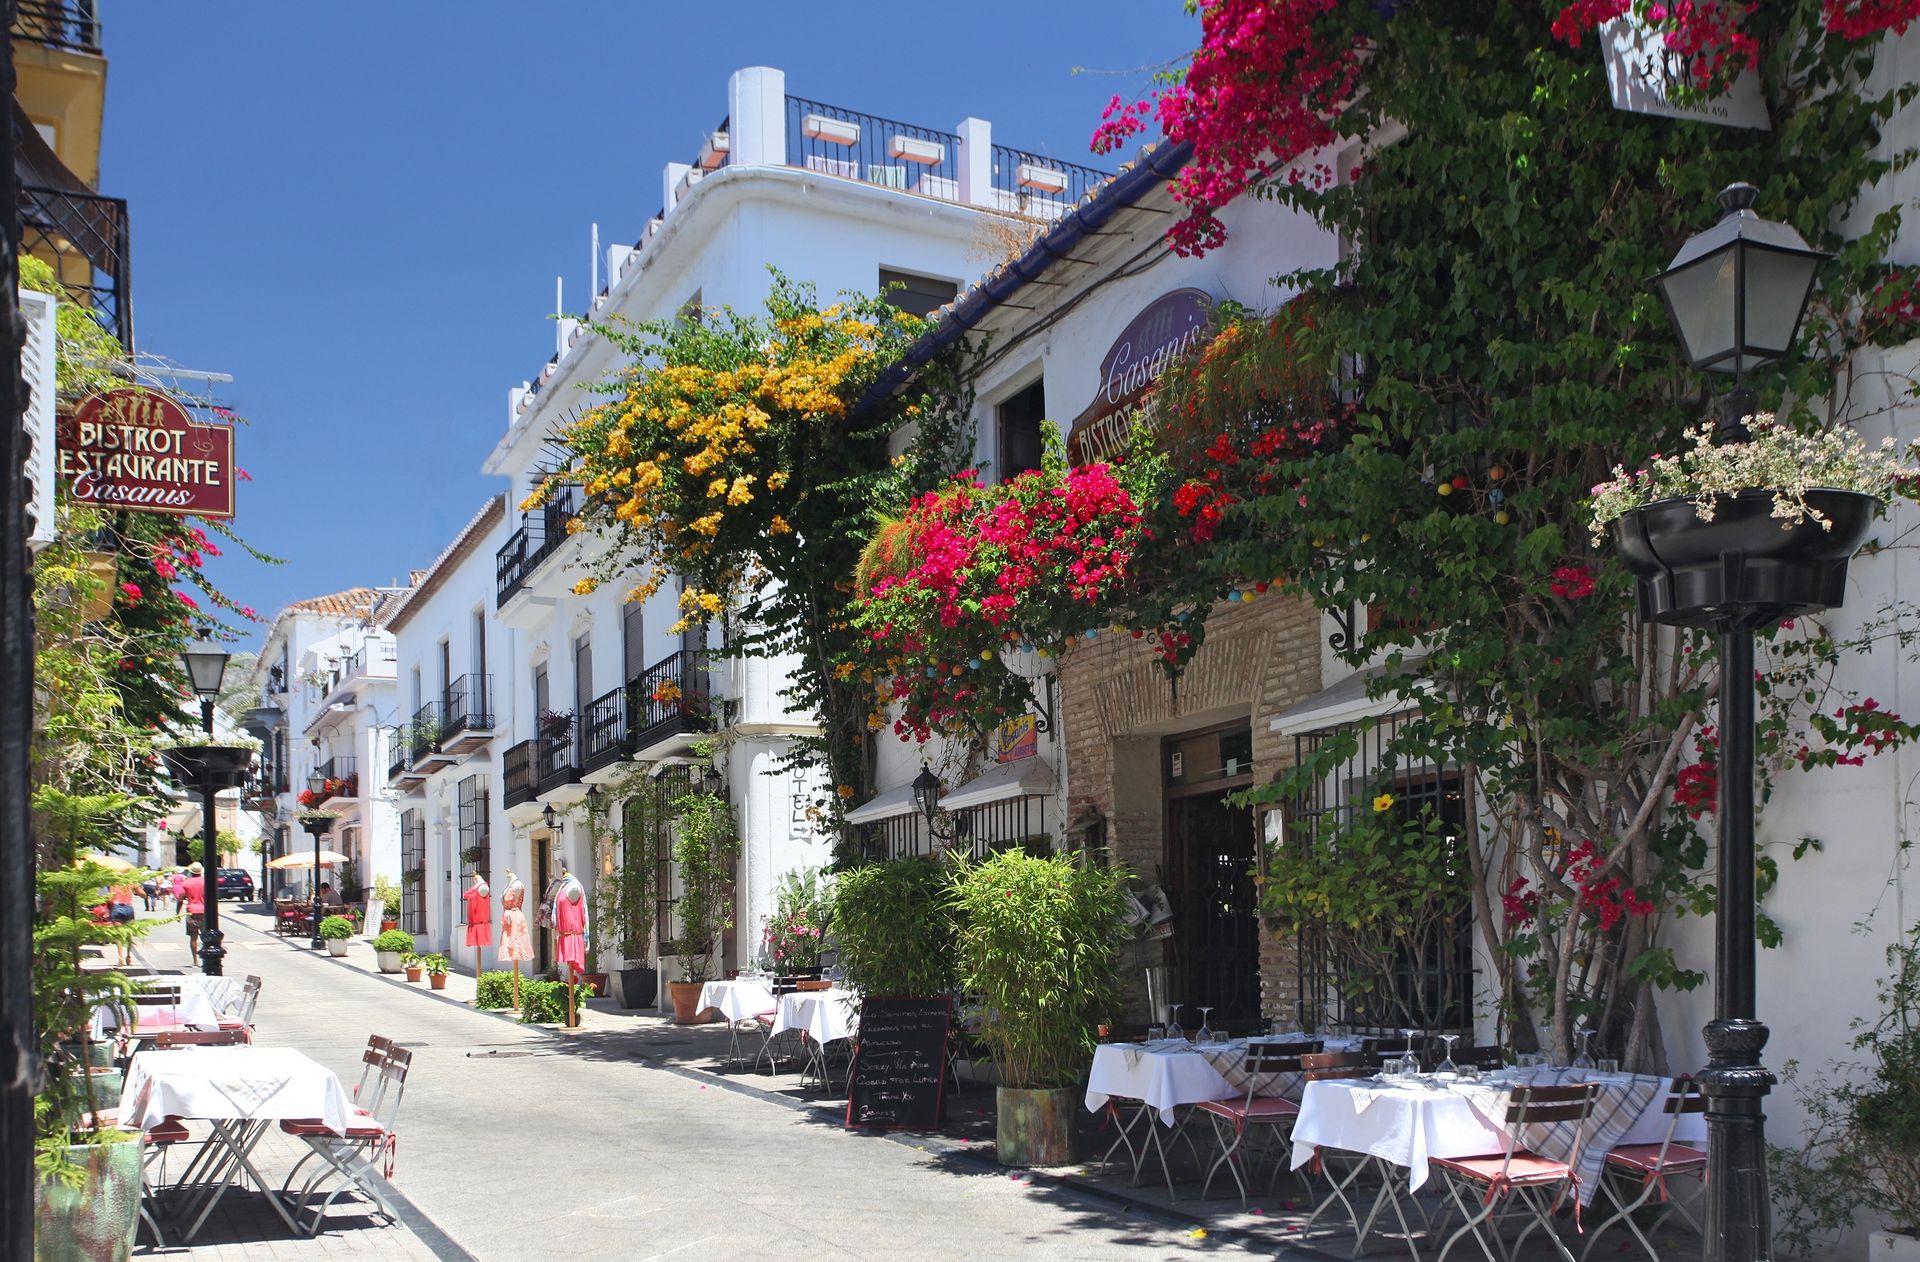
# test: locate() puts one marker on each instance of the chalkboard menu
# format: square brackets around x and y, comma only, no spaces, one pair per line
[899,1074]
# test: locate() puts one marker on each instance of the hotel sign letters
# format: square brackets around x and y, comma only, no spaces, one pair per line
[139,449]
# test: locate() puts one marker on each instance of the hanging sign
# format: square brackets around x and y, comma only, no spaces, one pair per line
[1169,327]
[139,449]
[1642,74]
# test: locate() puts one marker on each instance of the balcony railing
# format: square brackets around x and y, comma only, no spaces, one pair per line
[342,779]
[540,535]
[557,758]
[467,706]
[516,771]
[67,24]
[83,236]
[400,761]
[669,698]
[1045,188]
[606,731]
[376,658]
[424,732]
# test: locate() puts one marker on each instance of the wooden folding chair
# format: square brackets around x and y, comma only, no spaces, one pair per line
[1637,1173]
[1518,1175]
[365,1150]
[1235,1118]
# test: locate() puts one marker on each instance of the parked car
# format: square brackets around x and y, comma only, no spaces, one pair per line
[236,883]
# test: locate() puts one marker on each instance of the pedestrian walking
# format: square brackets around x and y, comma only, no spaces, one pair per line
[192,896]
[120,912]
[149,888]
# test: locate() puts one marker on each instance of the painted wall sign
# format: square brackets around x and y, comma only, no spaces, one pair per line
[138,448]
[1641,75]
[1169,327]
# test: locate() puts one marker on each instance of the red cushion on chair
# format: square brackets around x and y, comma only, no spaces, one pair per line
[1645,1158]
[168,1132]
[1527,1168]
[1264,1109]
[314,1126]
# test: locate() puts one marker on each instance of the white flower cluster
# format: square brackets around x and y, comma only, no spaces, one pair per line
[1776,458]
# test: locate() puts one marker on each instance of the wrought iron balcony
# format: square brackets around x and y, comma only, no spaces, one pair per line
[342,779]
[466,714]
[69,24]
[667,704]
[400,759]
[83,237]
[425,733]
[540,535]
[516,770]
[606,731]
[557,758]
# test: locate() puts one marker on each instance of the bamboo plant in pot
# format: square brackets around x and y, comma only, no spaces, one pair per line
[1038,941]
[628,862]
[705,848]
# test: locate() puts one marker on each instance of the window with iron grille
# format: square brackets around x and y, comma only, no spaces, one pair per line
[413,872]
[476,849]
[674,782]
[1428,981]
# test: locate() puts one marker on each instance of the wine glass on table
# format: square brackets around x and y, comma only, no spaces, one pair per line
[1410,1059]
[1205,1034]
[1173,1022]
[1446,1070]
[1585,1059]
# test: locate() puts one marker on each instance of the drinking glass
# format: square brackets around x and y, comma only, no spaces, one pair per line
[1205,1034]
[1609,1064]
[1410,1062]
[1155,1033]
[1173,1022]
[1446,1065]
[1585,1059]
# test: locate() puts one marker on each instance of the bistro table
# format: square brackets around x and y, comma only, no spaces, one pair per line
[194,1010]
[1408,1124]
[739,1000]
[241,1090]
[820,1017]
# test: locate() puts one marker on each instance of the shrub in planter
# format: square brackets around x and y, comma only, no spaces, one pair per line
[436,966]
[1037,943]
[411,961]
[894,924]
[493,990]
[544,1002]
[336,932]
[389,947]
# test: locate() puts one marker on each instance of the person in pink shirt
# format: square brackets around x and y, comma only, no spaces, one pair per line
[178,883]
[192,894]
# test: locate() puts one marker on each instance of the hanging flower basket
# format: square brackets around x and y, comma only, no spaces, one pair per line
[1694,572]
[208,767]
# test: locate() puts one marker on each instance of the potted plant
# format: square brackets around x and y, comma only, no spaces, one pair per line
[1038,941]
[623,897]
[704,850]
[389,946]
[556,725]
[1791,507]
[412,962]
[894,928]
[388,895]
[802,909]
[1863,1146]
[436,966]
[201,761]
[336,932]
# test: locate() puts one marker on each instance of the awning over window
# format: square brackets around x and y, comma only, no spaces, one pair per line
[1023,777]
[890,804]
[1344,702]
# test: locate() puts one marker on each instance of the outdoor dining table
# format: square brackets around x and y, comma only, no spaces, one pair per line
[241,1091]
[1408,1124]
[822,1017]
[194,1010]
[738,1000]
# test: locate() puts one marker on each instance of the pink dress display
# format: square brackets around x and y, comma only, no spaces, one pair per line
[516,944]
[570,921]
[479,915]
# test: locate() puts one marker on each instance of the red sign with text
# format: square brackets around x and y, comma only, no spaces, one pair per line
[139,449]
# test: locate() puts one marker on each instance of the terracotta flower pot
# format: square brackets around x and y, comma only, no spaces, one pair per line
[413,972]
[686,997]
[438,980]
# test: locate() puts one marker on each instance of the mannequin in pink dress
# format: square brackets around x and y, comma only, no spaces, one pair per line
[570,922]
[479,913]
[516,943]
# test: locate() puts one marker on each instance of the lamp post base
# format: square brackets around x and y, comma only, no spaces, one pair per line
[1739,1223]
[212,951]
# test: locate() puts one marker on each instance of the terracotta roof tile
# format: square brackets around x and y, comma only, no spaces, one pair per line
[354,602]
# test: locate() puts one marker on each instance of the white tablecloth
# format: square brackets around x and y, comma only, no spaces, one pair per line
[250,1083]
[740,1000]
[194,1010]
[825,1015]
[1410,1125]
[1174,1072]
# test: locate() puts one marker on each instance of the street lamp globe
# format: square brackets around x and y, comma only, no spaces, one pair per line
[316,783]
[1738,291]
[206,663]
[926,792]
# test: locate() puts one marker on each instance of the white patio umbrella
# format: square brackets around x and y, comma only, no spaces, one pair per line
[305,859]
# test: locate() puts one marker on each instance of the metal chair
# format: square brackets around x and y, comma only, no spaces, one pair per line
[1235,1118]
[1633,1174]
[1517,1174]
[364,1150]
[1321,1067]
[242,1018]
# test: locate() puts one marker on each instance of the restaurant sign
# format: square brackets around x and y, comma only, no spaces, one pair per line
[137,448]
[1170,326]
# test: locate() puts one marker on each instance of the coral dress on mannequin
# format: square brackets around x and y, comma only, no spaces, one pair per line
[570,921]
[479,914]
[516,943]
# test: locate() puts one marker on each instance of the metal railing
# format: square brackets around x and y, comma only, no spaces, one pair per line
[370,659]
[1030,184]
[341,778]
[402,756]
[829,140]
[424,734]
[606,730]
[69,24]
[541,533]
[516,774]
[83,237]
[667,697]
[467,705]
[558,759]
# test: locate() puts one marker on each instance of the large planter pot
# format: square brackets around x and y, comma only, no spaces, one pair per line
[336,947]
[437,980]
[204,767]
[1891,1246]
[96,1221]
[1694,573]
[599,983]
[686,998]
[1034,1126]
[636,987]
[386,925]
[389,961]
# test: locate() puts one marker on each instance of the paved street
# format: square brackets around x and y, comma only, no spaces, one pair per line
[515,1145]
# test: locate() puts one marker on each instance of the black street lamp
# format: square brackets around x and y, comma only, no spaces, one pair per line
[318,826]
[926,795]
[1737,293]
[206,664]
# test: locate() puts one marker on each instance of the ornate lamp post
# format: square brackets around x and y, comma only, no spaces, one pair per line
[206,664]
[926,795]
[318,825]
[1737,293]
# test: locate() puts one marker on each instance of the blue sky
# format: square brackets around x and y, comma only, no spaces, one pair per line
[359,209]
